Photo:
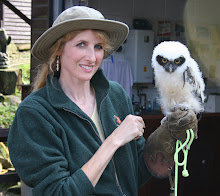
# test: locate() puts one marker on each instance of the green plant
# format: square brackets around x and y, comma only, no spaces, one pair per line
[7,113]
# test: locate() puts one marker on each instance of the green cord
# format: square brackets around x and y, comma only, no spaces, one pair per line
[184,147]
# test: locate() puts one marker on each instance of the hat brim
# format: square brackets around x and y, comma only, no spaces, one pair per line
[117,32]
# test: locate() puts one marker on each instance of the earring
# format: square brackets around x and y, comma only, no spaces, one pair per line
[58,63]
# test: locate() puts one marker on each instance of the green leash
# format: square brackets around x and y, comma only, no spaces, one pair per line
[184,147]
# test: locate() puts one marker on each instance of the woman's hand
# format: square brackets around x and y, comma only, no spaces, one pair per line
[132,127]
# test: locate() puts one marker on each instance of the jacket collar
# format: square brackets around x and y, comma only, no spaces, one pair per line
[58,99]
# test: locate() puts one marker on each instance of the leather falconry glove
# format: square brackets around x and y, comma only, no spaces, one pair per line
[161,144]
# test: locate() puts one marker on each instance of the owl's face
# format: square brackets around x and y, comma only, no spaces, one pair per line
[170,56]
[170,65]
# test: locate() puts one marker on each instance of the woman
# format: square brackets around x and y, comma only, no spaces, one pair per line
[75,135]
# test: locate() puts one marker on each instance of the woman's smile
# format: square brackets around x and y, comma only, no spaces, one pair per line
[86,68]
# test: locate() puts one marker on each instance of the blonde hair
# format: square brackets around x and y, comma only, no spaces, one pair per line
[49,67]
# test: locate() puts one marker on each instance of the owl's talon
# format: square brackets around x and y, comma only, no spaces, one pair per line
[163,120]
[180,107]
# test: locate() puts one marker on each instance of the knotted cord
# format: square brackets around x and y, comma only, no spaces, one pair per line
[185,148]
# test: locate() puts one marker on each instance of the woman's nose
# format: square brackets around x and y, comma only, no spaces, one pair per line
[90,54]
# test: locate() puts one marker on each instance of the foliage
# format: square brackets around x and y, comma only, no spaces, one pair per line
[7,112]
[4,150]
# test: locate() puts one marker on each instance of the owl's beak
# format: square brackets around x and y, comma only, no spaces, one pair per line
[171,68]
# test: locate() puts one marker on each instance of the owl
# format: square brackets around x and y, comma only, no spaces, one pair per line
[178,78]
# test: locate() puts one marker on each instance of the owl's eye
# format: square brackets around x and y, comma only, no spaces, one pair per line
[161,60]
[179,61]
[164,60]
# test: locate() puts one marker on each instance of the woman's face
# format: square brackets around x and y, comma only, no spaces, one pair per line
[81,56]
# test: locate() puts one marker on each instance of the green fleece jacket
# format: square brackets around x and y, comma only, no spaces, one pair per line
[52,138]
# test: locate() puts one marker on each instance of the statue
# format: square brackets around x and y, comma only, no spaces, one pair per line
[4,42]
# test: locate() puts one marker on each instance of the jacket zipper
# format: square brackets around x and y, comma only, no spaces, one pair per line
[116,176]
[113,162]
[83,119]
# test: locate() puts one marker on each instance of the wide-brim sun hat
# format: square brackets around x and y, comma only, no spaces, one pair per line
[79,18]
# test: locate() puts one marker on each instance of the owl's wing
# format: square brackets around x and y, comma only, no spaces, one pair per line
[193,76]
